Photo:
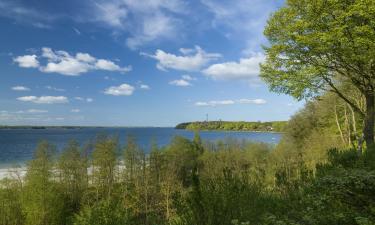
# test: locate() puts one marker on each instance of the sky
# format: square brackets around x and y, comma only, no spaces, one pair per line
[135,63]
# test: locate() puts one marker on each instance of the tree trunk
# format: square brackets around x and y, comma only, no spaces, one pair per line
[338,125]
[369,120]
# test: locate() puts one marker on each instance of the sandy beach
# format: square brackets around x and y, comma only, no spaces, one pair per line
[12,172]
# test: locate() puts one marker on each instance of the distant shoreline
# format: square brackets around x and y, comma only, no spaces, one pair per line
[70,127]
[238,126]
[244,131]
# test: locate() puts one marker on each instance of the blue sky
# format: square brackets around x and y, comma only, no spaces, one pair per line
[135,63]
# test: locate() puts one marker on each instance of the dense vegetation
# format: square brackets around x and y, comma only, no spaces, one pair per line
[194,182]
[275,126]
[320,173]
[322,45]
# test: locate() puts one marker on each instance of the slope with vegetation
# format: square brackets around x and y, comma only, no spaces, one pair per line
[322,172]
[190,182]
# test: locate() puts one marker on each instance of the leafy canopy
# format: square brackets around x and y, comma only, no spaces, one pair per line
[313,43]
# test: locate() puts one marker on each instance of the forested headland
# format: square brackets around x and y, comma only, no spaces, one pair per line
[274,126]
[322,171]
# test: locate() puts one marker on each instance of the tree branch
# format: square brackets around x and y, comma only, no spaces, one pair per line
[341,95]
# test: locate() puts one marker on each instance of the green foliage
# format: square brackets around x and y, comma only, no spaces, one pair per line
[324,45]
[192,182]
[10,202]
[341,193]
[42,200]
[72,166]
[275,126]
[313,41]
[103,165]
[105,212]
[223,199]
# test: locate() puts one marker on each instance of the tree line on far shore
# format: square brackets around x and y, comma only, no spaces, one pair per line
[273,126]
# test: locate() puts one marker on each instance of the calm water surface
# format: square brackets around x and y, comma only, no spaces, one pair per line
[17,146]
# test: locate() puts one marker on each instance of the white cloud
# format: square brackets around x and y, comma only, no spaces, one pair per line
[44,99]
[245,69]
[20,88]
[85,57]
[37,111]
[63,63]
[192,60]
[145,21]
[32,111]
[144,87]
[26,13]
[76,31]
[79,98]
[27,61]
[54,88]
[257,101]
[111,13]
[123,89]
[181,83]
[186,51]
[232,102]
[188,77]
[75,110]
[215,103]
[84,99]
[103,64]
[241,20]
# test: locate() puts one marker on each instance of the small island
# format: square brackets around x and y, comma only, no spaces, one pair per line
[272,126]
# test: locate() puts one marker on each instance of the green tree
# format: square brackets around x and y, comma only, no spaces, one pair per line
[104,212]
[132,158]
[104,162]
[10,202]
[42,201]
[73,176]
[319,45]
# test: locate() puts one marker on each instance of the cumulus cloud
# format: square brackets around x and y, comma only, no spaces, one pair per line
[27,61]
[231,102]
[123,89]
[181,83]
[20,88]
[103,64]
[245,69]
[63,63]
[44,99]
[75,110]
[190,60]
